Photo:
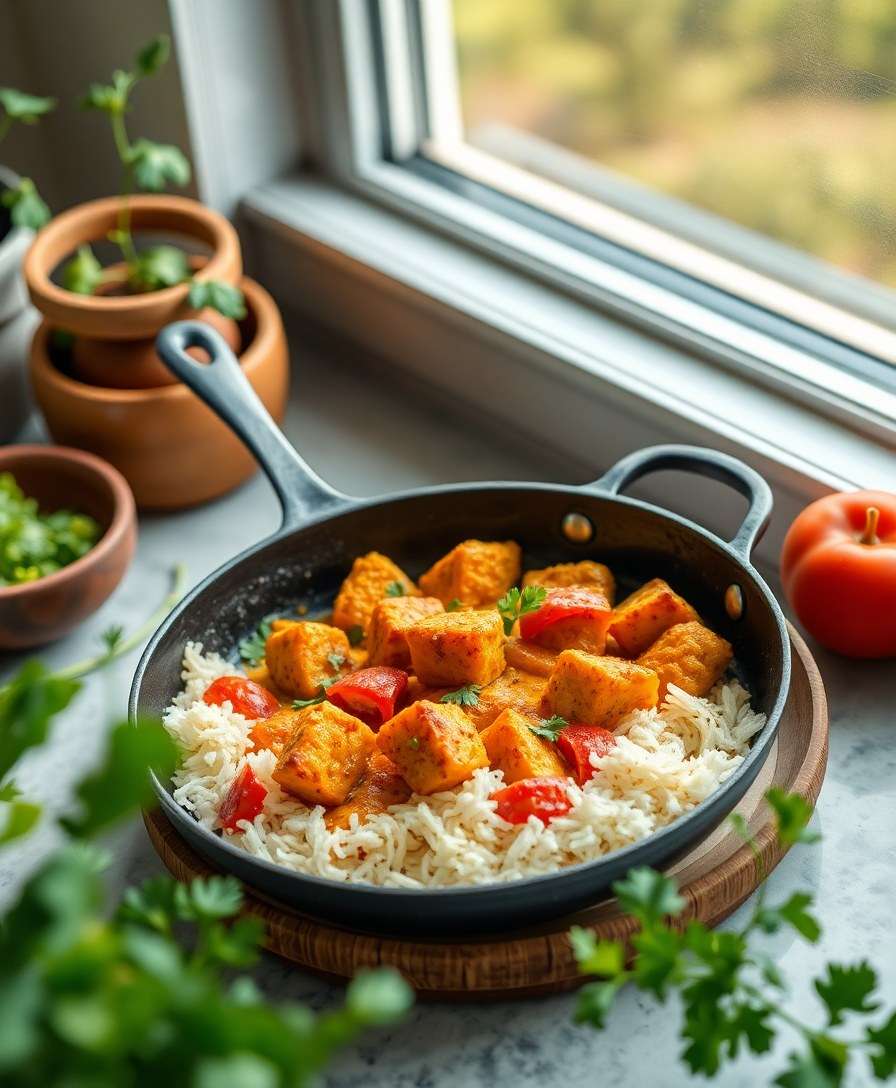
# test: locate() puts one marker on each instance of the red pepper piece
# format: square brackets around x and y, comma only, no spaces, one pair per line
[245,696]
[545,798]
[565,603]
[244,800]
[578,742]
[370,694]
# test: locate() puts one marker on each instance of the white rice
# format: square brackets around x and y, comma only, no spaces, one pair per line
[666,761]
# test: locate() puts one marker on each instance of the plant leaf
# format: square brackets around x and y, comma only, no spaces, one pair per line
[82,274]
[153,55]
[121,783]
[156,166]
[252,646]
[28,704]
[23,107]
[515,604]
[376,998]
[355,635]
[465,696]
[847,989]
[793,913]
[236,1071]
[223,297]
[26,208]
[208,899]
[594,956]
[594,1003]
[158,267]
[550,728]
[109,97]
[648,895]
[793,812]
[882,1041]
[20,819]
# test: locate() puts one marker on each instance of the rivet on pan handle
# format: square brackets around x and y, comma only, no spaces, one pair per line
[223,386]
[703,462]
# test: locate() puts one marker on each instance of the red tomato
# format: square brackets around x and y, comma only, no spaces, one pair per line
[545,798]
[244,800]
[369,694]
[565,603]
[838,568]
[245,696]
[578,742]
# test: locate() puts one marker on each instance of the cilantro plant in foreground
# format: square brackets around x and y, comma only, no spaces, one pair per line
[147,995]
[732,994]
[26,208]
[151,167]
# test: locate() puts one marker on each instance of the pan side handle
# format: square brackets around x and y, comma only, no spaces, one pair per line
[703,462]
[225,389]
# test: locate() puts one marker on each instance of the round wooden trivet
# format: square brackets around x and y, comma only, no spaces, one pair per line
[715,879]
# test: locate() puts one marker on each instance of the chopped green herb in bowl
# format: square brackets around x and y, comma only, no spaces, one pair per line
[34,544]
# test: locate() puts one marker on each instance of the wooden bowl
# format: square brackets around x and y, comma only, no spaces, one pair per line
[38,612]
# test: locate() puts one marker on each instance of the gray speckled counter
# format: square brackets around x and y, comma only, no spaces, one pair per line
[361,436]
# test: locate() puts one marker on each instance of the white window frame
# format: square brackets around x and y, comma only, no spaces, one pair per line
[494,314]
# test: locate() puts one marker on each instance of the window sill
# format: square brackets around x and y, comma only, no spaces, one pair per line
[535,359]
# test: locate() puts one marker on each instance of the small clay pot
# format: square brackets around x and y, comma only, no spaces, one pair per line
[171,448]
[38,612]
[126,317]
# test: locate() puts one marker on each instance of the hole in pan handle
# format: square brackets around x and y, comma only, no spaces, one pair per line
[703,462]
[225,389]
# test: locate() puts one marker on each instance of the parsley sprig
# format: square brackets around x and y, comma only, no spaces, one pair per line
[549,728]
[395,589]
[465,696]
[732,994]
[516,603]
[319,695]
[252,647]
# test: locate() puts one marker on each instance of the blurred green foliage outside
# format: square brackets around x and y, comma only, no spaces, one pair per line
[777,114]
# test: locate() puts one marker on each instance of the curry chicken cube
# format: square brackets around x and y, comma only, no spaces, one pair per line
[457,648]
[302,656]
[434,745]
[477,573]
[387,635]
[381,787]
[688,655]
[643,616]
[600,691]
[587,573]
[513,690]
[326,757]
[277,731]
[513,748]
[370,580]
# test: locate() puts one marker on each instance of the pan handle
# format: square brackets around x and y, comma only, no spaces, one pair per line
[704,462]
[222,384]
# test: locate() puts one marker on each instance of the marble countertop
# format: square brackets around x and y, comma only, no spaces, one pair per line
[349,428]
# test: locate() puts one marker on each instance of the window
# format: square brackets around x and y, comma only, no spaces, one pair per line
[692,151]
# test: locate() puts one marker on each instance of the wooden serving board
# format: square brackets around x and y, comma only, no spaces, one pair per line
[715,878]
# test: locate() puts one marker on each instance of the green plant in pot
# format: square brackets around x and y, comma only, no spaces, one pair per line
[19,196]
[101,385]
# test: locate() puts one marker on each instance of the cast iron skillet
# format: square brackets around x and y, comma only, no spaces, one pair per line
[322,531]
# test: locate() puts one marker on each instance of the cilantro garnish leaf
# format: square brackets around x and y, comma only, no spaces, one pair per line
[793,813]
[549,728]
[465,696]
[648,895]
[395,589]
[355,635]
[335,660]
[319,695]
[252,646]
[847,989]
[516,603]
[454,604]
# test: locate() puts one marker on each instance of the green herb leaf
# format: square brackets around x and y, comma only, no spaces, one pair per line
[355,635]
[208,899]
[22,107]
[120,785]
[550,728]
[847,989]
[335,660]
[153,55]
[111,98]
[150,904]
[595,1001]
[223,297]
[26,208]
[454,604]
[159,267]
[465,696]
[321,694]
[395,589]
[156,166]
[648,895]
[376,998]
[793,913]
[28,704]
[793,813]
[813,1069]
[515,604]
[83,273]
[251,648]
[21,817]
[882,1042]
[597,956]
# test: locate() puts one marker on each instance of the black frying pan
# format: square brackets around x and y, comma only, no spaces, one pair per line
[322,532]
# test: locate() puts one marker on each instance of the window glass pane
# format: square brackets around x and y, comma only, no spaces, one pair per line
[777,114]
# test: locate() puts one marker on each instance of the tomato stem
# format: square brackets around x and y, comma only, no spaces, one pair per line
[869,535]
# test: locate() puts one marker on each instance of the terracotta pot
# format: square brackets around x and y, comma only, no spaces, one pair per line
[126,317]
[173,451]
[38,612]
